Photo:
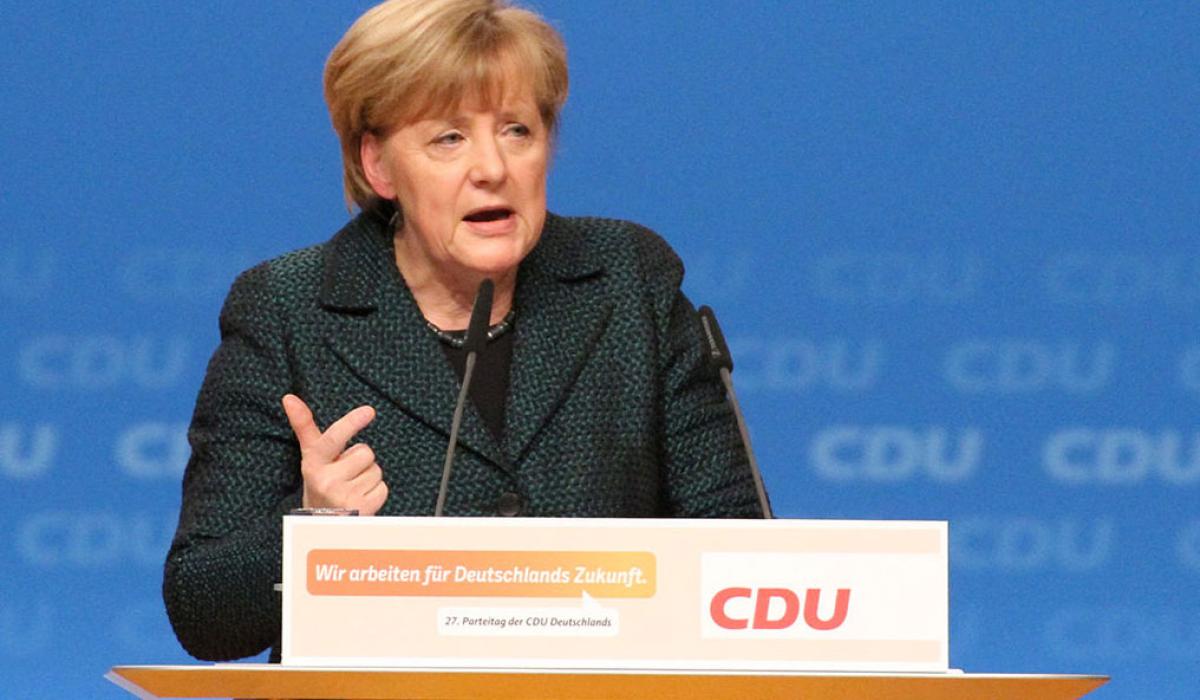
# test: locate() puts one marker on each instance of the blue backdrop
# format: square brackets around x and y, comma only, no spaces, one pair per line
[953,246]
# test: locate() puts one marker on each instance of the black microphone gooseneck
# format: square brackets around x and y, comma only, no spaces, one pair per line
[719,358]
[481,314]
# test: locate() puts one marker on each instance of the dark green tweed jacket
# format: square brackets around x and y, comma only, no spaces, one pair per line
[610,412]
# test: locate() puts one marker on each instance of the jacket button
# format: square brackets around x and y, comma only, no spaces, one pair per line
[509,504]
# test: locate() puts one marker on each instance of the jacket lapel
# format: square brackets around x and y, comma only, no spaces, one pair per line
[561,314]
[379,333]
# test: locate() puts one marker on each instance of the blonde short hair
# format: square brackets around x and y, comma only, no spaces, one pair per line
[404,60]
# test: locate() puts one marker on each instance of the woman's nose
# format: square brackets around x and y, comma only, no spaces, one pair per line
[488,167]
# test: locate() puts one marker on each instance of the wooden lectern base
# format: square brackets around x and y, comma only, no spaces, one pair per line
[274,681]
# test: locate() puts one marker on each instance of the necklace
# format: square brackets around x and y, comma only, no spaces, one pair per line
[456,339]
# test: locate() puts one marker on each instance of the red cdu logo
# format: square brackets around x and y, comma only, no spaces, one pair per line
[856,595]
[766,616]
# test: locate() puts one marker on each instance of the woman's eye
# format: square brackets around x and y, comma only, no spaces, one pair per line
[518,130]
[449,139]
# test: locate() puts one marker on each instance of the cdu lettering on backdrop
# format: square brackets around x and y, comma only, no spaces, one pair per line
[1123,455]
[896,278]
[1098,278]
[892,453]
[1013,366]
[1122,633]
[170,275]
[1022,543]
[94,539]
[103,361]
[793,365]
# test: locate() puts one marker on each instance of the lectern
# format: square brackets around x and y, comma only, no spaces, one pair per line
[414,608]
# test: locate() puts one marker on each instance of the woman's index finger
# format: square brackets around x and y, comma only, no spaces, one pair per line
[344,429]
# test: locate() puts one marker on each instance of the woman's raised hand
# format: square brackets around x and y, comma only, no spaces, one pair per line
[334,476]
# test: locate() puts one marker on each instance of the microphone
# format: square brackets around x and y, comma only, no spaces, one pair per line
[481,313]
[720,359]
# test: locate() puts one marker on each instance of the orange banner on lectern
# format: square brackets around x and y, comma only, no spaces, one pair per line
[459,573]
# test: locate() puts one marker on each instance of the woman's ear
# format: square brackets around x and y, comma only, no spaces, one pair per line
[374,164]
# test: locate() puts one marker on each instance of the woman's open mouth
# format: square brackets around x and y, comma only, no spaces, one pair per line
[492,220]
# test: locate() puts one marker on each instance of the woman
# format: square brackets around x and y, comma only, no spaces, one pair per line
[590,398]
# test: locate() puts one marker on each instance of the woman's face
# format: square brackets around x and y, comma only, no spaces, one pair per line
[472,187]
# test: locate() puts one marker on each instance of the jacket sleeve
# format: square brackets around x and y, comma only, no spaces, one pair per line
[705,472]
[243,476]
